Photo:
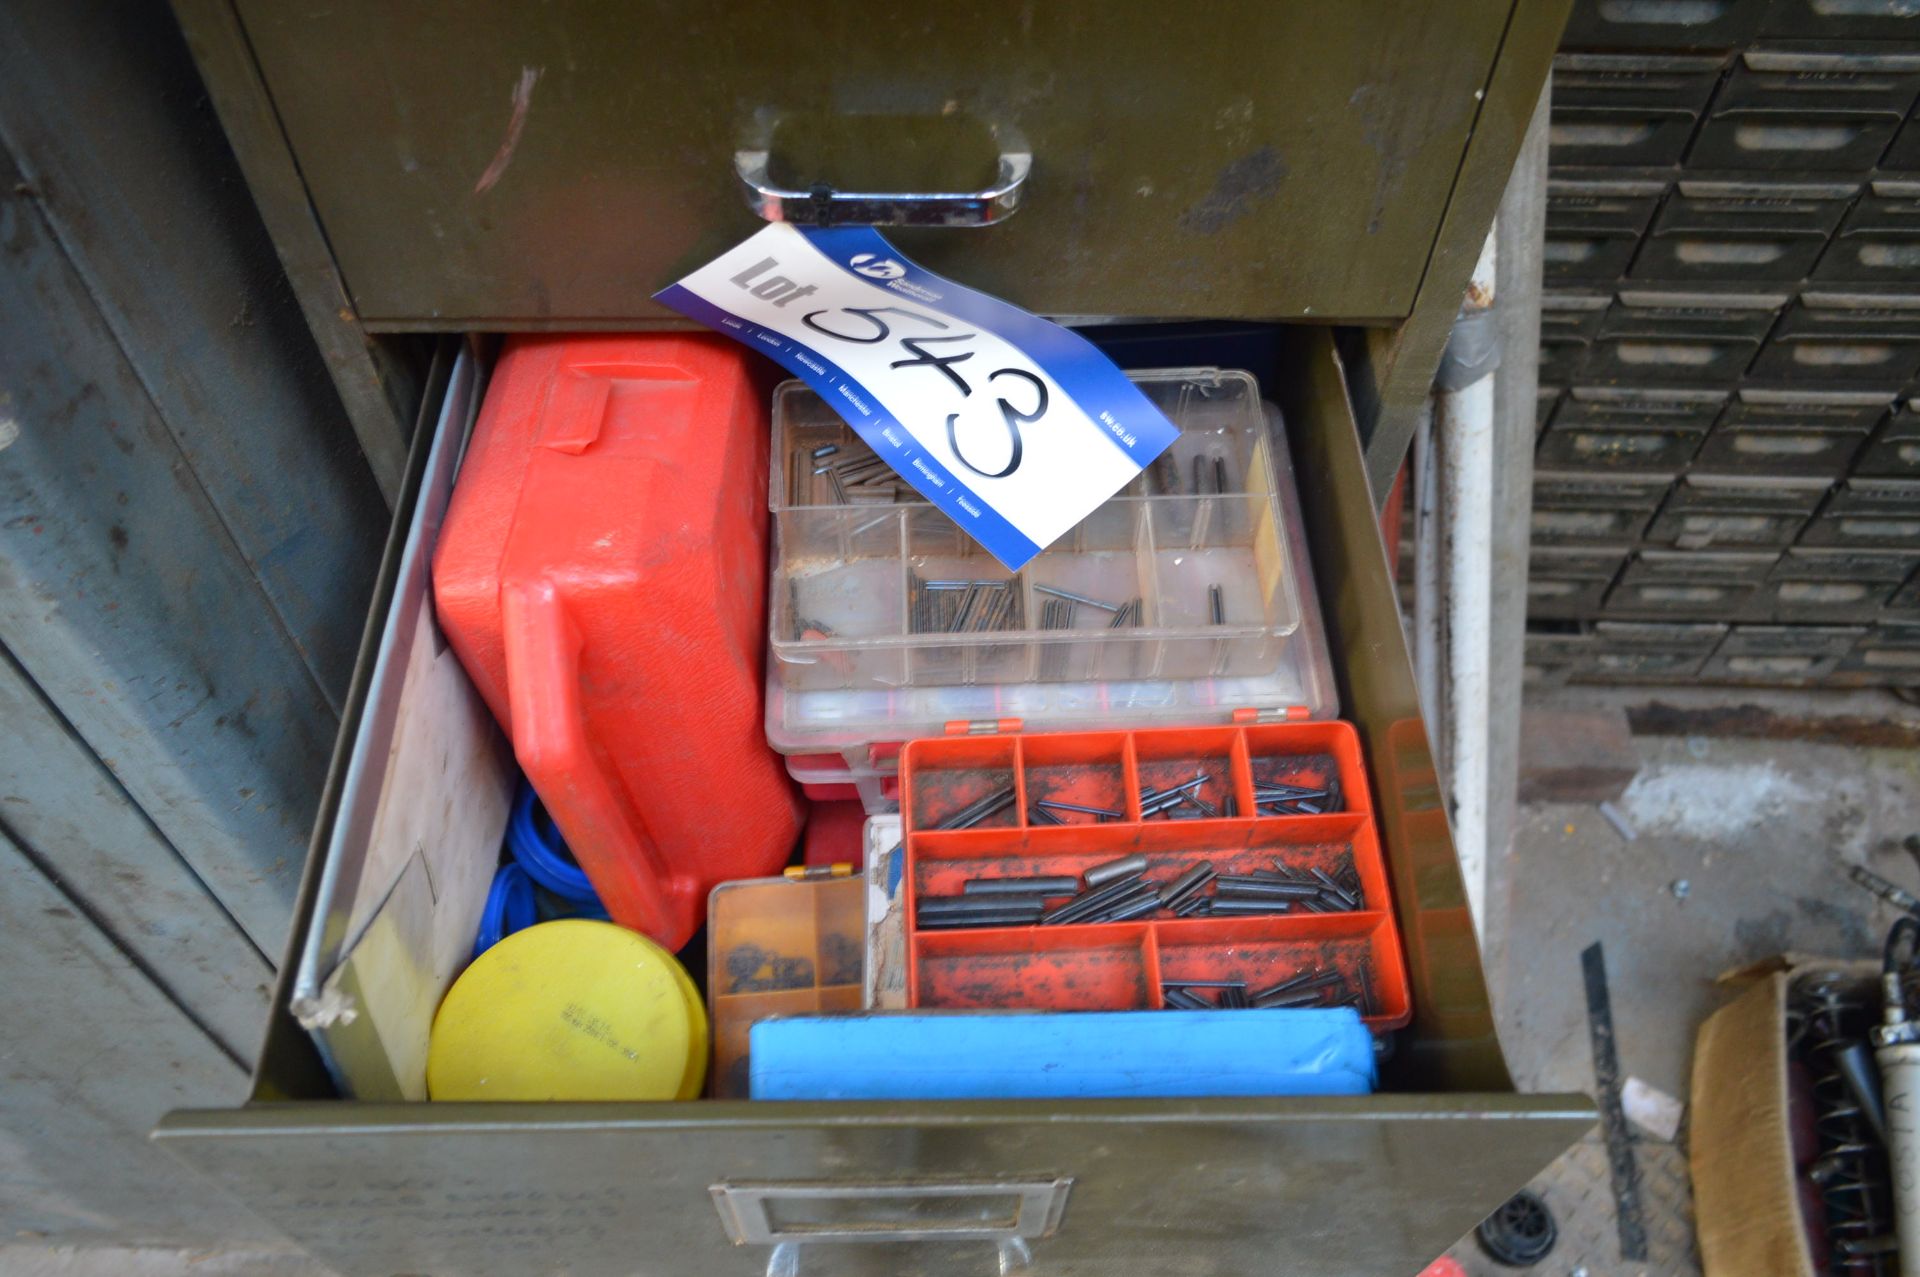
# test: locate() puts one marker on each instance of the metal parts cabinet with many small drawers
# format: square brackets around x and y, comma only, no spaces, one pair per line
[549,169]
[1733,258]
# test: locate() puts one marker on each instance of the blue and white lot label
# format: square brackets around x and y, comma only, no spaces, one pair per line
[1014,426]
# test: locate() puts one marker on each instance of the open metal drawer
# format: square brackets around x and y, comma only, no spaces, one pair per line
[1378,1184]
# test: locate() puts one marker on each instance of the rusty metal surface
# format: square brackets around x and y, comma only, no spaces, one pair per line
[508,166]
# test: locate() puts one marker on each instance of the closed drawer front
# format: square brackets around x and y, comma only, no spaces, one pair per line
[1699,529]
[1742,231]
[1879,242]
[1864,338]
[1575,489]
[1624,650]
[1601,562]
[1679,598]
[1587,256]
[1841,19]
[1760,652]
[1799,407]
[1663,24]
[1618,136]
[1564,525]
[1669,566]
[1821,600]
[1770,450]
[1564,597]
[1618,448]
[1714,360]
[1870,512]
[446,208]
[1812,108]
[1631,406]
[1635,80]
[1567,315]
[1881,567]
[1612,206]
[1707,492]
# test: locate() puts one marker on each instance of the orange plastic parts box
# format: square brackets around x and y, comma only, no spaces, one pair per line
[602,574]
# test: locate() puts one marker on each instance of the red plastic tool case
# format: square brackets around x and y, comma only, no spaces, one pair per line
[1112,966]
[602,575]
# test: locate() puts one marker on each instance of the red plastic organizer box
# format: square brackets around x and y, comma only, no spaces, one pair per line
[1107,966]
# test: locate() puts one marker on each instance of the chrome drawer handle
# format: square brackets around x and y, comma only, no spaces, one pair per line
[799,1212]
[824,206]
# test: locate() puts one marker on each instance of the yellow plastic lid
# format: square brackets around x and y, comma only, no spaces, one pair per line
[570,1010]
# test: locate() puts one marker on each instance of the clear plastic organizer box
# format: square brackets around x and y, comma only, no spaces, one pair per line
[1184,574]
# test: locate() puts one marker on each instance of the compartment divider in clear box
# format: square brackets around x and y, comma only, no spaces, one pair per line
[1201,578]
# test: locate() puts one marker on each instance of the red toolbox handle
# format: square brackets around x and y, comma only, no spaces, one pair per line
[550,740]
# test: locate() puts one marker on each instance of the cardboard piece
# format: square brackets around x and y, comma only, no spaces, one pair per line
[1745,1194]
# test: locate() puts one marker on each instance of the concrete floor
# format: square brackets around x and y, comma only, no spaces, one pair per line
[1738,854]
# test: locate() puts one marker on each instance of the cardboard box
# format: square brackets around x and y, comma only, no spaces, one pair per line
[1746,1194]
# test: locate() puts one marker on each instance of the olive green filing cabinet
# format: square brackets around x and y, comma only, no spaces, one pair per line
[512,168]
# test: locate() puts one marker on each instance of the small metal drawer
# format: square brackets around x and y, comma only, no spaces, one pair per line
[1821,77]
[1627,109]
[1879,242]
[1861,338]
[1594,225]
[1636,81]
[1682,336]
[1564,598]
[1682,583]
[1679,598]
[1567,583]
[1583,490]
[1813,600]
[1796,408]
[1588,561]
[1628,650]
[1842,19]
[1613,205]
[1804,451]
[1888,567]
[1550,656]
[1579,525]
[1663,24]
[1736,510]
[1584,507]
[1742,231]
[1809,108]
[1869,512]
[1778,494]
[1633,406]
[1566,315]
[1833,585]
[1618,447]
[1583,257]
[1894,453]
[1763,653]
[1888,654]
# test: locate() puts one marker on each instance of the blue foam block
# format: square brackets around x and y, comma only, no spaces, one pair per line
[1062,1055]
